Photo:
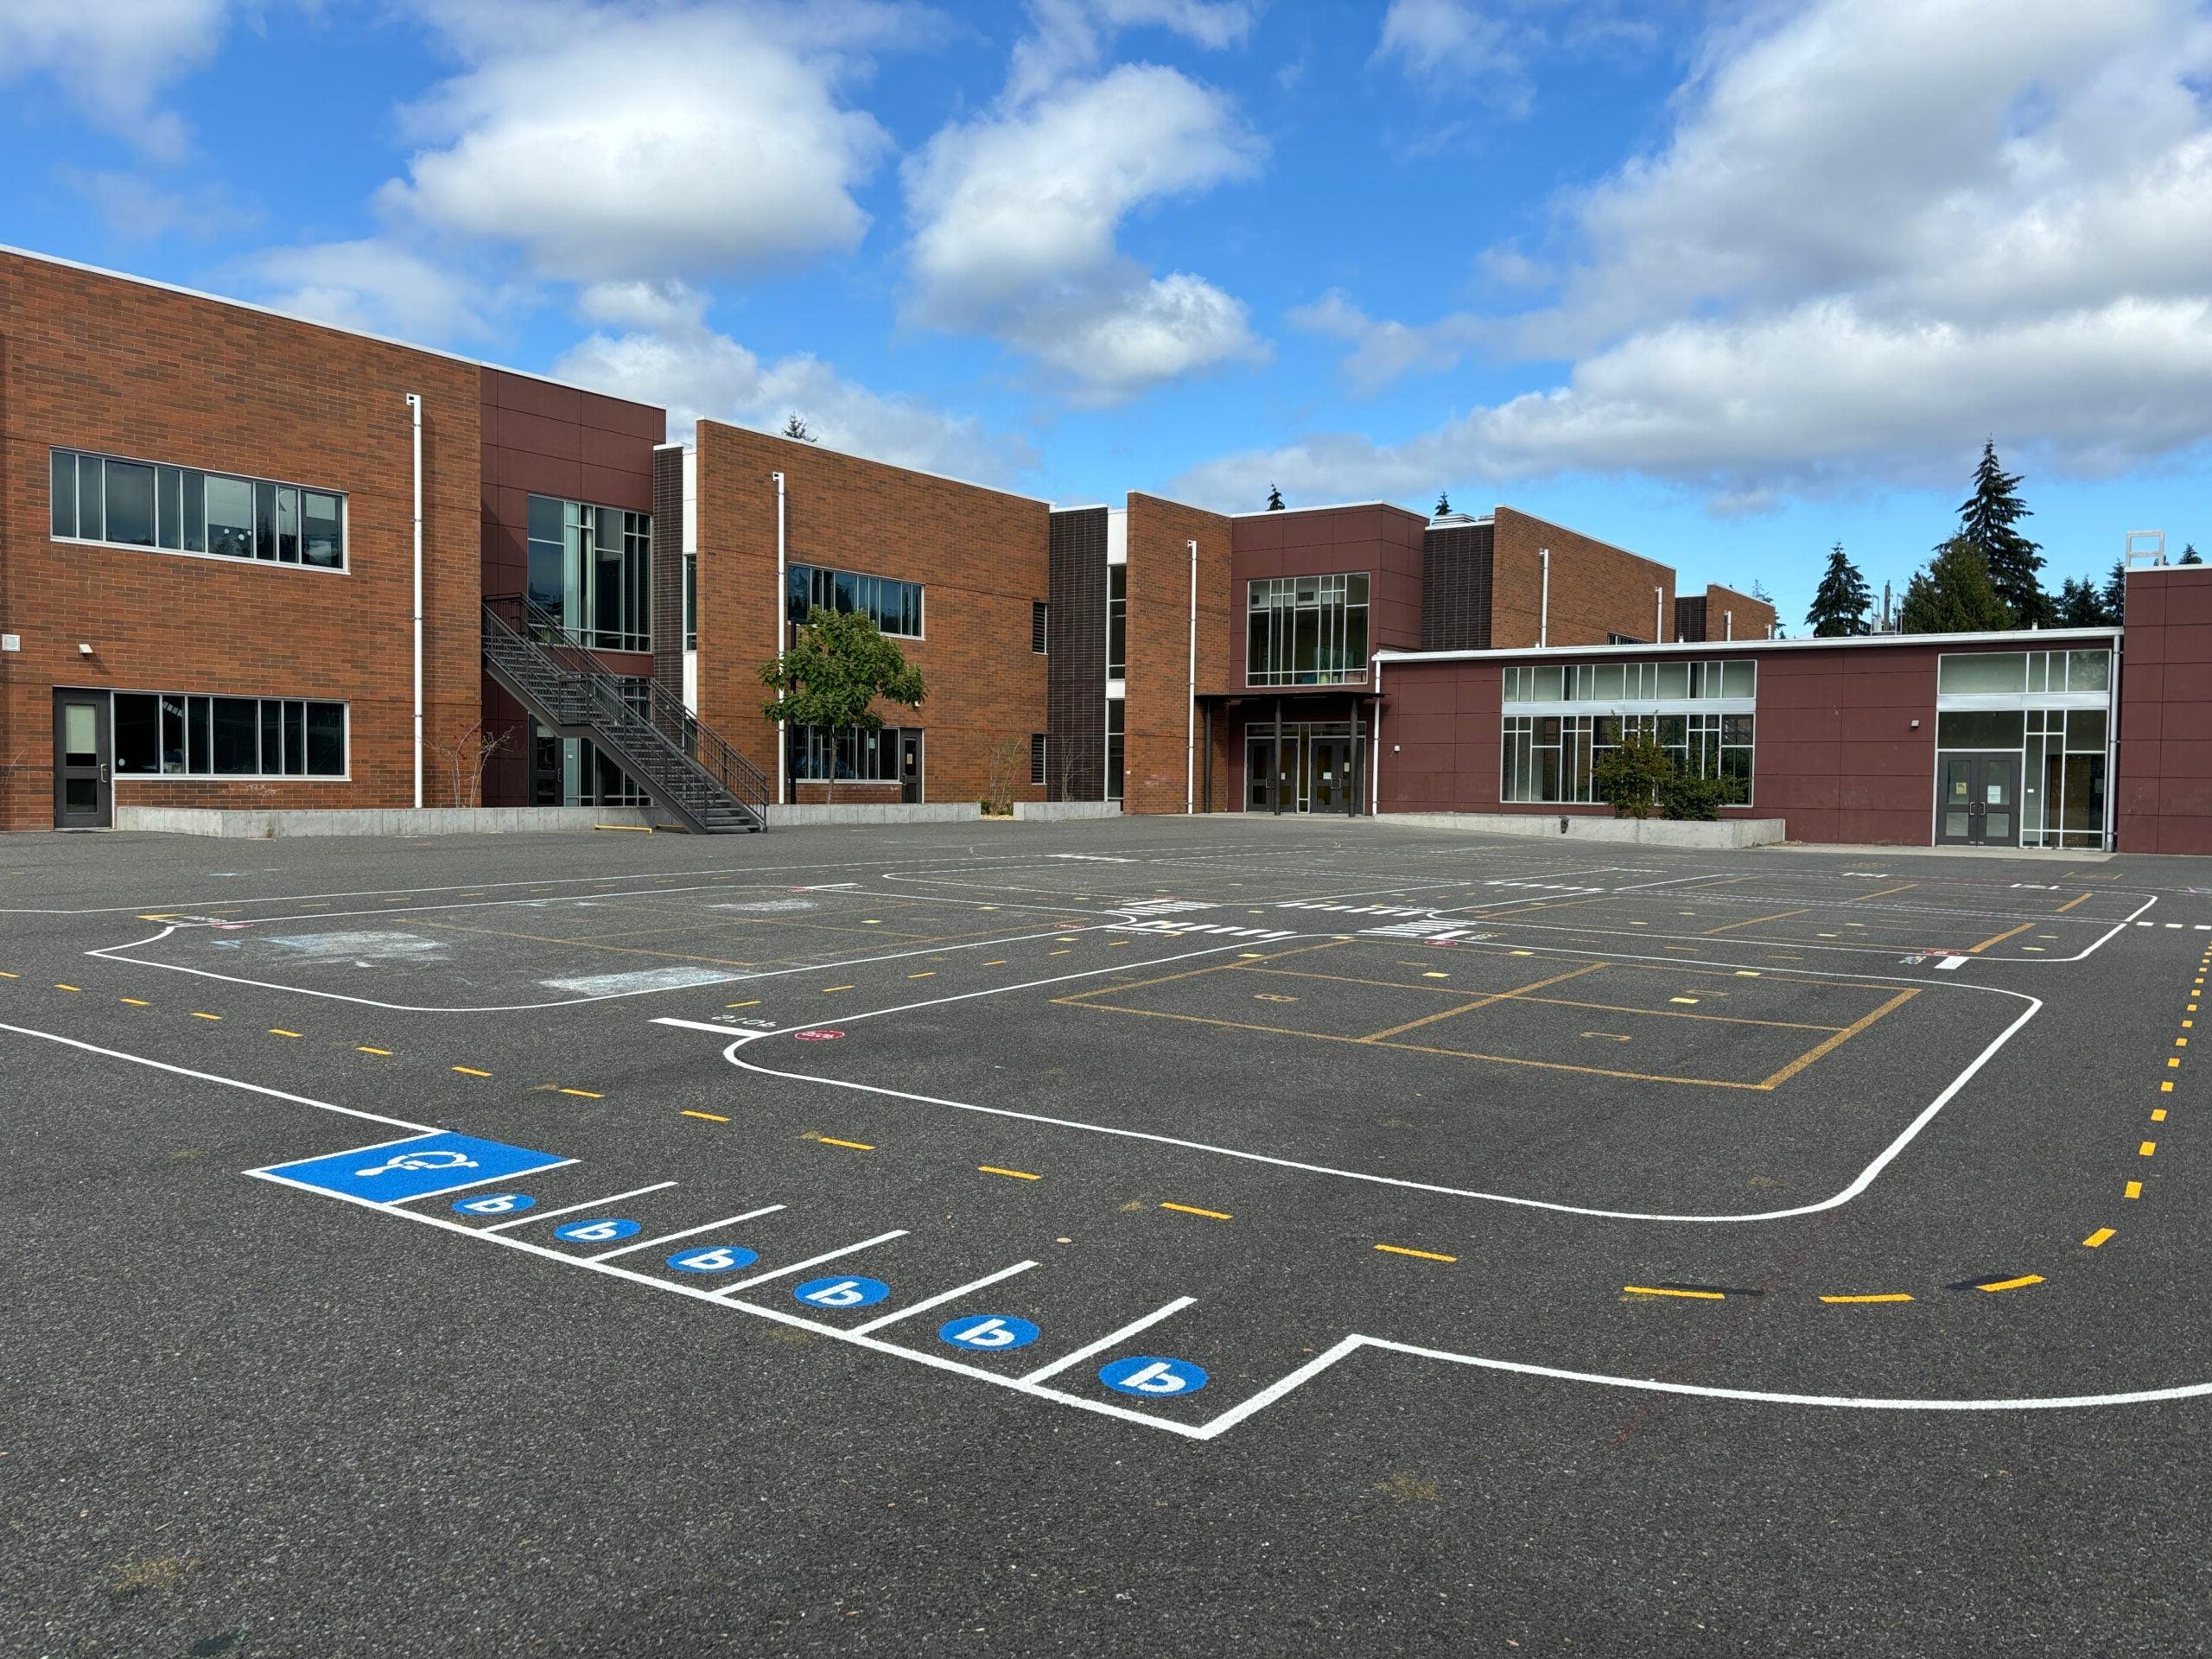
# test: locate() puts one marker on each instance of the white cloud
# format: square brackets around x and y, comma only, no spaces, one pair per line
[629,143]
[112,58]
[1069,37]
[1016,215]
[1441,41]
[1880,229]
[376,287]
[697,374]
[135,207]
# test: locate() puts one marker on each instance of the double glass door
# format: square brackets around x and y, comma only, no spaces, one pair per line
[1978,800]
[1315,774]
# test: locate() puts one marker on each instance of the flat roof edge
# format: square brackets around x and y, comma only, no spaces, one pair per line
[820,447]
[2023,639]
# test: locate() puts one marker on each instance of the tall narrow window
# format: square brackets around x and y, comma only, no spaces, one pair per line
[1117,621]
[1038,771]
[1039,624]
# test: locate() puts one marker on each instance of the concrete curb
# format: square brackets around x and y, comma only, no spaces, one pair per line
[1727,834]
[249,824]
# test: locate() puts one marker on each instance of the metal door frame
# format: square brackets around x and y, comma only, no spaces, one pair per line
[1977,793]
[101,704]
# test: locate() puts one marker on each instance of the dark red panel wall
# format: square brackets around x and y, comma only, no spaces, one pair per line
[2166,712]
[1386,541]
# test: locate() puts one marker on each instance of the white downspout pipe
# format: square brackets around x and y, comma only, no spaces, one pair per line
[415,403]
[1375,749]
[1190,698]
[783,642]
[1728,621]
[1658,616]
[1544,602]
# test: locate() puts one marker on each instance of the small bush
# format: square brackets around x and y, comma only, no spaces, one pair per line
[1698,799]
[1634,777]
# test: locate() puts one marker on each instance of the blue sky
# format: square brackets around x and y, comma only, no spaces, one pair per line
[1723,283]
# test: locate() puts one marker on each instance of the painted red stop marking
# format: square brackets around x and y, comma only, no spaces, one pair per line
[818,1036]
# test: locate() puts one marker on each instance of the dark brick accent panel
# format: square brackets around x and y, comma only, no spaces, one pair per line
[1075,670]
[2165,741]
[1689,617]
[668,567]
[1455,585]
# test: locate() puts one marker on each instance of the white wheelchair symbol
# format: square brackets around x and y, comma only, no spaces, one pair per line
[421,1161]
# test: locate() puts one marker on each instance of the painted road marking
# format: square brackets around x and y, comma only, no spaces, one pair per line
[1661,1290]
[1425,1255]
[419,1167]
[589,1204]
[992,1333]
[2134,1190]
[711,1117]
[857,1146]
[841,1292]
[703,1227]
[583,1094]
[471,1071]
[1109,1340]
[358,1048]
[495,1203]
[2021,1283]
[600,1230]
[952,1295]
[1191,1210]
[136,1002]
[60,987]
[279,1031]
[1891,1296]
[814,1260]
[1018,1174]
[1149,1376]
[2149,1148]
[2096,1238]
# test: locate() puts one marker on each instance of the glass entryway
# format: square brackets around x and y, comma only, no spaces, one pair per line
[1978,803]
[1316,768]
[83,792]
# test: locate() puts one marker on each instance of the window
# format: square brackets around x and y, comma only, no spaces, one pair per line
[895,606]
[2024,674]
[171,735]
[691,602]
[1114,717]
[1040,772]
[1117,621]
[1632,683]
[1039,625]
[1554,757]
[863,757]
[144,504]
[1306,631]
[591,567]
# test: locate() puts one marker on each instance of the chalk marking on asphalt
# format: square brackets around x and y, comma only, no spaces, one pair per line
[569,1209]
[942,1298]
[670,1238]
[811,1261]
[1109,1340]
[211,1077]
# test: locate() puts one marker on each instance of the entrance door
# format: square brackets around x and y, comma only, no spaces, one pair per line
[1978,803]
[1332,786]
[910,768]
[83,797]
[1268,788]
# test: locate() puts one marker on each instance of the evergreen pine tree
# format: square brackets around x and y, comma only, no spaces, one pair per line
[1443,504]
[2188,554]
[795,428]
[1954,595]
[2081,606]
[2116,594]
[1275,499]
[1987,519]
[1839,602]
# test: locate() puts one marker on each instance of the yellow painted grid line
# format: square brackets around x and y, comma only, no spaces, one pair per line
[1425,1255]
[1890,1296]
[60,987]
[583,1094]
[2021,1283]
[1998,938]
[1017,1175]
[471,1071]
[134,1001]
[709,1116]
[279,1031]
[363,1048]
[1691,1295]
[857,1146]
[197,1014]
[2097,1237]
[2070,903]
[2134,1190]
[1192,1210]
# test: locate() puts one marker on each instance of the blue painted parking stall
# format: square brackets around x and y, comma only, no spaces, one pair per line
[420,1167]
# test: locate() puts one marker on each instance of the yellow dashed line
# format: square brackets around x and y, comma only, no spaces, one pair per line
[929,973]
[2134,1190]
[1691,1295]
[14,976]
[2097,1238]
[1000,963]
[2166,1088]
[1190,1209]
[2159,1116]
[709,1116]
[1425,1255]
[826,990]
[198,1015]
[754,1003]
[2146,1149]
[278,1031]
[471,1071]
[60,987]
[134,1001]
[583,1094]
[1891,1296]
[2021,1283]
[1018,1174]
[857,1146]
[363,1048]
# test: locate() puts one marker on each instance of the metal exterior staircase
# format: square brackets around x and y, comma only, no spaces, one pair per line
[685,769]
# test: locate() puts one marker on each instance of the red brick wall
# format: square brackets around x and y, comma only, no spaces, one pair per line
[2164,803]
[544,439]
[981,555]
[1157,743]
[1837,757]
[100,363]
[1725,608]
[1597,589]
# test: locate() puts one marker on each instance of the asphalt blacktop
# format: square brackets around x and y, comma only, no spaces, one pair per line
[1279,1236]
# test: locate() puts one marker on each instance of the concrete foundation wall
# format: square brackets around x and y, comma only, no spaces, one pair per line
[1061,811]
[796,817]
[1727,833]
[251,825]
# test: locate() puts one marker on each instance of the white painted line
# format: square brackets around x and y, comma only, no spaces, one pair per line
[670,1238]
[482,1180]
[1109,1340]
[569,1209]
[943,1297]
[1950,964]
[812,1260]
[696,1025]
[228,1083]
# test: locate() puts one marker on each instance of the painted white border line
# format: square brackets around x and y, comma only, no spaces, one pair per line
[1865,1178]
[1109,1340]
[841,1251]
[688,1232]
[525,1219]
[943,1297]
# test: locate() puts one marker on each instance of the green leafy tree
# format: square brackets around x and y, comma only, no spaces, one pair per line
[1634,777]
[833,673]
[1954,595]
[1275,499]
[2116,594]
[2081,606]
[1840,602]
[1987,520]
[2189,554]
